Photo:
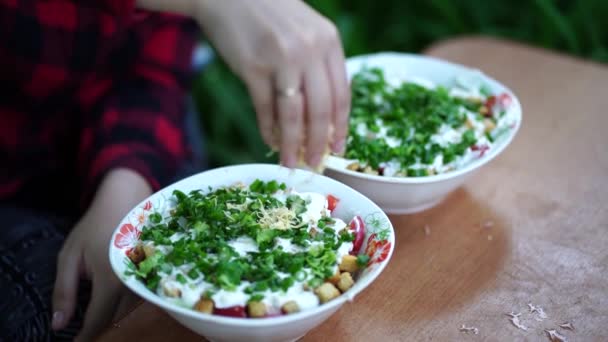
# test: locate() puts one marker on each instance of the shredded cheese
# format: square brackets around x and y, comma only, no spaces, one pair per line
[277,218]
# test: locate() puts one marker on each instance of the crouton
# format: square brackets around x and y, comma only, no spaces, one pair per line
[349,264]
[489,125]
[171,291]
[290,307]
[370,171]
[256,309]
[345,282]
[204,305]
[149,250]
[327,292]
[353,166]
[469,123]
[335,278]
[137,254]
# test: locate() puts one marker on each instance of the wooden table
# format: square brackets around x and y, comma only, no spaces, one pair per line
[530,228]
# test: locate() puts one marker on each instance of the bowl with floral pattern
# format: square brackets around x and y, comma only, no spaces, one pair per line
[253,252]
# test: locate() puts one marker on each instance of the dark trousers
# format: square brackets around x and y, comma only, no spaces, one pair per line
[29,244]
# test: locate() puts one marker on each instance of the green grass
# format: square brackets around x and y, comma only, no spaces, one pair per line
[569,26]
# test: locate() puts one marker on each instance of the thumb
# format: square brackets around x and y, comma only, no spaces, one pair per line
[66,287]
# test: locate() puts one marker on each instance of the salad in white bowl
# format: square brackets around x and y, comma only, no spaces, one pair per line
[415,128]
[418,127]
[252,251]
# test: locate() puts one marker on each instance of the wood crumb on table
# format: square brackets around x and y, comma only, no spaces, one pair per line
[540,313]
[463,328]
[555,336]
[427,230]
[515,321]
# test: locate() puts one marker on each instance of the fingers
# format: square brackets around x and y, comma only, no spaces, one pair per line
[66,287]
[341,97]
[318,111]
[289,104]
[261,92]
[104,299]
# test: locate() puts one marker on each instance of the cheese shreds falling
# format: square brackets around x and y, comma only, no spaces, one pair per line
[277,218]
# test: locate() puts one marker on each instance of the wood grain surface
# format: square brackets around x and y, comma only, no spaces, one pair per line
[530,228]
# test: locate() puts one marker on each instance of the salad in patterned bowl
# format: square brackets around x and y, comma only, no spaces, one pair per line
[252,249]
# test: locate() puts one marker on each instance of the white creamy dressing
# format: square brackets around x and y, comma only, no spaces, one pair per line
[193,289]
[468,86]
[317,207]
[243,245]
[447,135]
[287,246]
[382,134]
[226,299]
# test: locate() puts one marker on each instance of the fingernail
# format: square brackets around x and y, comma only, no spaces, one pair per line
[315,161]
[339,147]
[57,319]
[289,162]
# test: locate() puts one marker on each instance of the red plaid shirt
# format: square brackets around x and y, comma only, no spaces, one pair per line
[87,86]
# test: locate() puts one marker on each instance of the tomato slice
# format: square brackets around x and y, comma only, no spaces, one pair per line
[332,202]
[480,148]
[504,100]
[490,102]
[358,227]
[232,311]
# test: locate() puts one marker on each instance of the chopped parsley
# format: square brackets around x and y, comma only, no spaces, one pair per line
[197,236]
[411,115]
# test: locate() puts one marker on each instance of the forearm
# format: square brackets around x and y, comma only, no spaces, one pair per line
[120,190]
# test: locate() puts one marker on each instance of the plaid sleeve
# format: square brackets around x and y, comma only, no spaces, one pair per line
[120,7]
[139,125]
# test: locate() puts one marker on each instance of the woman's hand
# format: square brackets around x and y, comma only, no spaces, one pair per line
[291,59]
[292,62]
[85,253]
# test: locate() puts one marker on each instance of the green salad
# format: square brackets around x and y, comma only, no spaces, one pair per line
[248,251]
[415,129]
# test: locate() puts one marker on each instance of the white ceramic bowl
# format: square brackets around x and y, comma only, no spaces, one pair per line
[404,195]
[379,232]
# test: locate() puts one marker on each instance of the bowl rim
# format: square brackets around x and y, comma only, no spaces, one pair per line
[333,160]
[172,308]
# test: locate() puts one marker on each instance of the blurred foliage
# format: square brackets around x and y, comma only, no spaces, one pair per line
[574,27]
